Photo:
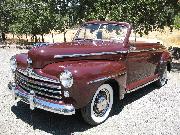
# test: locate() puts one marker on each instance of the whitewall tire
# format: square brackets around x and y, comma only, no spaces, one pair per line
[163,78]
[98,110]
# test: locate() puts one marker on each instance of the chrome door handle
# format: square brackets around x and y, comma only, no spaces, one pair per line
[132,48]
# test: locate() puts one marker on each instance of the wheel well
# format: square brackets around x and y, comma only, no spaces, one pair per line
[114,84]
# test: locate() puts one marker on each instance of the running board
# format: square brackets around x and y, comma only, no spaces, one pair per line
[141,86]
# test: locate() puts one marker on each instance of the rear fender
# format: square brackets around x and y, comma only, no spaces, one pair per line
[165,62]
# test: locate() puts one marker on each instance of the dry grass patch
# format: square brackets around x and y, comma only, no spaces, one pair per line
[51,37]
[169,38]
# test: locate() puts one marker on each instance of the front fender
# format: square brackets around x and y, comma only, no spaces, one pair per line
[87,75]
[21,60]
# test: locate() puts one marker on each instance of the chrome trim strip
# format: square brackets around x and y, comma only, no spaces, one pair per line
[98,80]
[144,50]
[30,73]
[105,78]
[90,54]
[65,109]
[122,51]
[129,91]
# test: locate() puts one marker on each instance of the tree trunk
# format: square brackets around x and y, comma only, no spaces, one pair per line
[65,35]
[42,37]
[35,37]
[3,36]
[53,37]
[19,38]
[26,37]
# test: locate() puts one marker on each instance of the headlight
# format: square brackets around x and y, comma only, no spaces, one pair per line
[66,79]
[13,64]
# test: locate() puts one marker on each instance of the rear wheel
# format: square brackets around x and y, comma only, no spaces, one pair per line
[177,55]
[98,110]
[163,78]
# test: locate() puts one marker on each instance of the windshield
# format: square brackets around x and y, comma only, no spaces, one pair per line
[92,31]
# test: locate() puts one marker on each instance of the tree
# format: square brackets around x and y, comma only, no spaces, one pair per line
[177,21]
[66,14]
[41,16]
[144,15]
[6,16]
[33,17]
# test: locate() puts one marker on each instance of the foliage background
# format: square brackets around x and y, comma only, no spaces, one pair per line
[39,17]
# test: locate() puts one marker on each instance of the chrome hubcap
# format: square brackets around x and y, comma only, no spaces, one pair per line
[164,77]
[101,103]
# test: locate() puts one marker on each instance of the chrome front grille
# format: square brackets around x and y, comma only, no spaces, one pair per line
[41,88]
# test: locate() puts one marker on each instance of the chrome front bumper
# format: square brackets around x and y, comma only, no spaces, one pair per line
[35,102]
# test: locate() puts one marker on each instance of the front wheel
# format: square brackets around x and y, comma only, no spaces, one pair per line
[98,110]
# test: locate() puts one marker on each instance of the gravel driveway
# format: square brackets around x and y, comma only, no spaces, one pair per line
[146,111]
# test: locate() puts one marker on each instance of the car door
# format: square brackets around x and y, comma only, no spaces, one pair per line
[140,65]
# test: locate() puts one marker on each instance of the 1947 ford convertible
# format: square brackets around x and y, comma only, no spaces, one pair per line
[100,64]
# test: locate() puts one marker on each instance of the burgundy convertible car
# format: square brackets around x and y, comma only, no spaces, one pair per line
[101,63]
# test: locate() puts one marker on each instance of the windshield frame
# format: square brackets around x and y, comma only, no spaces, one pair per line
[123,24]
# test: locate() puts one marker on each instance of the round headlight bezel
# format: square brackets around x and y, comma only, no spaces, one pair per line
[13,64]
[66,79]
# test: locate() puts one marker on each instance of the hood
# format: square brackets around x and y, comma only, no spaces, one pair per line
[41,56]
